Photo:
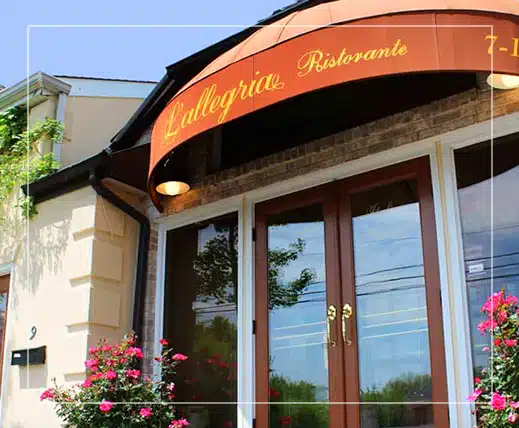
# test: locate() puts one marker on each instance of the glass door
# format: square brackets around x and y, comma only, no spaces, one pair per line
[299,354]
[348,311]
[392,329]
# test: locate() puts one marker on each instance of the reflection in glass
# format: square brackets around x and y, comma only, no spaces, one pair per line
[392,329]
[201,318]
[297,311]
[476,204]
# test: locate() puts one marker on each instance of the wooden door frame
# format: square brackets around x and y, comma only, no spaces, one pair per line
[326,196]
[419,170]
[339,270]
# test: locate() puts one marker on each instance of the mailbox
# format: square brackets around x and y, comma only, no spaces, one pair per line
[24,357]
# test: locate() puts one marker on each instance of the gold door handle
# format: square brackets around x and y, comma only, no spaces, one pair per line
[347,312]
[331,315]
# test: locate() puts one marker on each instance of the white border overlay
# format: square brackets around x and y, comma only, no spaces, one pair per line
[439,149]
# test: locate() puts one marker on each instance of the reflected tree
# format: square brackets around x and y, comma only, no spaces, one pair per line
[211,377]
[284,391]
[405,389]
[216,267]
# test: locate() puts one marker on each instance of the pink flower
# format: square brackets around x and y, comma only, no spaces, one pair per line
[510,342]
[163,342]
[145,412]
[93,350]
[286,420]
[274,393]
[514,404]
[178,423]
[91,364]
[110,374]
[475,395]
[106,406]
[512,417]
[493,303]
[135,352]
[47,395]
[477,380]
[511,300]
[133,373]
[486,349]
[498,401]
[107,348]
[486,325]
[502,316]
[171,386]
[87,383]
[179,357]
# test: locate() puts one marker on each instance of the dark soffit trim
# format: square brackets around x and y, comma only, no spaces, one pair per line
[179,73]
[65,180]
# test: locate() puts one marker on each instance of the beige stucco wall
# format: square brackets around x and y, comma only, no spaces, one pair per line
[73,267]
[40,112]
[90,123]
[73,281]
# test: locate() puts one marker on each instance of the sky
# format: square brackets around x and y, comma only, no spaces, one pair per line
[127,53]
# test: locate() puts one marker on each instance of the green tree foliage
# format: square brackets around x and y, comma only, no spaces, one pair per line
[210,373]
[407,388]
[20,160]
[285,391]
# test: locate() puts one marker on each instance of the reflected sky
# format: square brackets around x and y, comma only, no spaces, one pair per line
[298,335]
[475,213]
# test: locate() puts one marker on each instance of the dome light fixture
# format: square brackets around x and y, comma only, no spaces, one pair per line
[503,81]
[172,188]
[172,177]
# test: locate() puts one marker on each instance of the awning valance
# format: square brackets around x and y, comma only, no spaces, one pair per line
[338,42]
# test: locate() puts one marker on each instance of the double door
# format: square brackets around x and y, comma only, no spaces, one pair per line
[348,308]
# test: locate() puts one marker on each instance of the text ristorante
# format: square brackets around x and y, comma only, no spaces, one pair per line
[318,60]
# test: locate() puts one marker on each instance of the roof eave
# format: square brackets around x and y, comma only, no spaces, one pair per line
[179,73]
[17,93]
[65,180]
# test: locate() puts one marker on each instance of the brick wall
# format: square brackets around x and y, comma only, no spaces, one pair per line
[148,330]
[441,116]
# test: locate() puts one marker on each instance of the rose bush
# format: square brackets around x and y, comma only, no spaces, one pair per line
[116,394]
[496,393]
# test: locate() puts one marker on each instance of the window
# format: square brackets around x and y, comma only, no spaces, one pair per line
[490,228]
[200,318]
[4,294]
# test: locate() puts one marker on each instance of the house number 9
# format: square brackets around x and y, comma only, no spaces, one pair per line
[34,330]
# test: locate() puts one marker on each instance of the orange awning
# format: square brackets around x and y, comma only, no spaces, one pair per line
[338,42]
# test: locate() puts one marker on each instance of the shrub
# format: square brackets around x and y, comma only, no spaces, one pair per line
[496,393]
[115,393]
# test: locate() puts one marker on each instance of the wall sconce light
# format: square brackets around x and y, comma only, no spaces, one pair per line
[172,178]
[503,81]
[172,188]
